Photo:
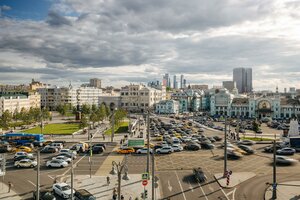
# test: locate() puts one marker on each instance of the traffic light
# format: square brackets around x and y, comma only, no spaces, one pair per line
[146,193]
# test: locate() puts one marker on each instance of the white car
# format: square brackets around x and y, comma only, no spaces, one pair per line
[63,190]
[68,151]
[177,147]
[165,149]
[64,158]
[21,153]
[56,163]
[25,163]
[143,151]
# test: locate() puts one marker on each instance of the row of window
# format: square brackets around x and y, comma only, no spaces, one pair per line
[134,104]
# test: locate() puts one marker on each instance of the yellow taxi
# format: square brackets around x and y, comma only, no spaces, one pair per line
[24,149]
[177,135]
[159,138]
[150,144]
[126,150]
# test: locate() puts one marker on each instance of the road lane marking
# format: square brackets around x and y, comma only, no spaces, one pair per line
[180,185]
[191,187]
[50,177]
[202,191]
[74,165]
[232,193]
[31,183]
[169,186]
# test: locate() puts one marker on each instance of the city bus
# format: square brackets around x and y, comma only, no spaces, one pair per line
[22,138]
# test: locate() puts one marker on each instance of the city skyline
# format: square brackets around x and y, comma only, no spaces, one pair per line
[62,41]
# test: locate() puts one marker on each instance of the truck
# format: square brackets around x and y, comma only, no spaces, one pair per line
[295,143]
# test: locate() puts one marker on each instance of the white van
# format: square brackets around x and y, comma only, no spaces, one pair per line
[57,145]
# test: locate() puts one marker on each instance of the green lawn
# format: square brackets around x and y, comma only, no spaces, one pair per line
[123,128]
[257,139]
[56,129]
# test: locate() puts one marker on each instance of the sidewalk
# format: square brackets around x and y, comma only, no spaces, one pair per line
[97,185]
[5,195]
[288,191]
[234,179]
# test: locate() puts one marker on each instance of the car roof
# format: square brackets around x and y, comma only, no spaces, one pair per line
[83,192]
[61,184]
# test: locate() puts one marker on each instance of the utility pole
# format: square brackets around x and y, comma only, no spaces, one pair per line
[225,148]
[274,193]
[38,175]
[148,142]
[113,125]
[72,177]
[153,176]
[91,154]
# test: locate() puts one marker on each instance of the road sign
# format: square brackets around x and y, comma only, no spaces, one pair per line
[136,142]
[145,176]
[156,178]
[144,182]
[156,185]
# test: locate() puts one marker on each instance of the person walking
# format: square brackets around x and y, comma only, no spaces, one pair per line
[107,180]
[103,136]
[122,197]
[10,185]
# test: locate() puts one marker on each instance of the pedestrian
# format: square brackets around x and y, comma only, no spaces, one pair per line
[121,141]
[103,136]
[130,198]
[122,197]
[115,191]
[108,180]
[114,197]
[10,185]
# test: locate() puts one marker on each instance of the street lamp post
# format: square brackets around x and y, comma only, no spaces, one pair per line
[148,142]
[38,175]
[225,148]
[113,125]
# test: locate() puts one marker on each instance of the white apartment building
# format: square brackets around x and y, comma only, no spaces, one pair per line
[16,101]
[139,98]
[167,107]
[52,97]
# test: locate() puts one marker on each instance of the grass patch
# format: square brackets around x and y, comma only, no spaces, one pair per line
[56,129]
[123,128]
[257,139]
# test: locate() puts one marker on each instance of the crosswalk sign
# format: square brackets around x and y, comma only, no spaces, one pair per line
[145,176]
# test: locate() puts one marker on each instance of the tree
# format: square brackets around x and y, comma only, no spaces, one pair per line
[83,122]
[93,118]
[74,110]
[86,109]
[6,119]
[62,109]
[94,108]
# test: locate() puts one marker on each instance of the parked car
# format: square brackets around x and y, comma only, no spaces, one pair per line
[100,145]
[144,150]
[68,151]
[30,145]
[37,144]
[45,194]
[246,142]
[247,149]
[56,163]
[69,155]
[199,175]
[217,138]
[18,158]
[234,155]
[177,147]
[83,194]
[25,163]
[285,160]
[211,139]
[6,148]
[192,147]
[259,131]
[286,151]
[24,149]
[57,145]
[206,145]
[49,150]
[269,149]
[96,150]
[64,158]
[63,190]
[165,149]
[21,153]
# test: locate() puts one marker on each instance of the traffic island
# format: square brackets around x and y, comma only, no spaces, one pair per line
[234,179]
[285,190]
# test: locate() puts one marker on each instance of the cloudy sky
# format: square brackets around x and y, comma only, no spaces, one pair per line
[123,41]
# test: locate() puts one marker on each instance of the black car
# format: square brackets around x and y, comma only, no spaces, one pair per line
[96,149]
[217,138]
[247,149]
[206,145]
[199,175]
[269,149]
[192,147]
[100,145]
[44,195]
[37,144]
[49,150]
[23,157]
[83,194]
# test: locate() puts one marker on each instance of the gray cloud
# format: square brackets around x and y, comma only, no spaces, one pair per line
[168,35]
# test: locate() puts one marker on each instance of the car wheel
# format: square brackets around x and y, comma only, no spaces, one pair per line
[32,166]
[18,166]
[139,152]
[61,166]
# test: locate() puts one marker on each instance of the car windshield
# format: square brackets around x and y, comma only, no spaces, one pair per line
[64,188]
